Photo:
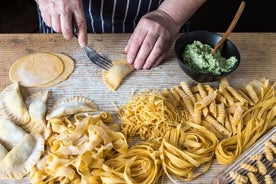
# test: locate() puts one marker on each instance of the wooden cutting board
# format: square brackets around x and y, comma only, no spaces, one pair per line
[258,60]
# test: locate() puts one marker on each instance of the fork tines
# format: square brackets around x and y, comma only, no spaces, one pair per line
[97,59]
[103,63]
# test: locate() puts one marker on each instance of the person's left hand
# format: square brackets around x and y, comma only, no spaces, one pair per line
[151,40]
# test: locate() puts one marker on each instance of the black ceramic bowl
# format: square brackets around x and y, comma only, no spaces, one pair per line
[210,38]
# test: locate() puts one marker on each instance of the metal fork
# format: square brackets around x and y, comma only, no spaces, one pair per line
[96,58]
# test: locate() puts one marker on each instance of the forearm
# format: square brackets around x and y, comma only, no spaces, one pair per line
[181,10]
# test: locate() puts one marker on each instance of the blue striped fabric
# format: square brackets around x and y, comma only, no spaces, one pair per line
[111,16]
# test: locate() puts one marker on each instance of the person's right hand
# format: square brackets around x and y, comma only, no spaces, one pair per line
[63,16]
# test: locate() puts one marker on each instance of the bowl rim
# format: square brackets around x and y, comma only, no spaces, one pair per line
[180,59]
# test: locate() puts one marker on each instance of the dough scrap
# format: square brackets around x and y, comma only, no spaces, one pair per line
[113,77]
[36,69]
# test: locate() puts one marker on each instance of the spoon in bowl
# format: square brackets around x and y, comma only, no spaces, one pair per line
[230,28]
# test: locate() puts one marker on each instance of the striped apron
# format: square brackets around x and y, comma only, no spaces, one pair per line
[112,16]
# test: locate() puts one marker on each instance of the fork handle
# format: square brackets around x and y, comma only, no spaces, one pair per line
[75,33]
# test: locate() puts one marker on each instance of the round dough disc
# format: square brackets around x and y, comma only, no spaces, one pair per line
[36,69]
[69,67]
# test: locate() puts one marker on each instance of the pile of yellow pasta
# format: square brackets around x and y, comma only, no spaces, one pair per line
[182,128]
[238,117]
[187,151]
[140,164]
[151,114]
[257,116]
[76,148]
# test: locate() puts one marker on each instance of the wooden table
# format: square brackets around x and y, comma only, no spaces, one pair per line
[258,60]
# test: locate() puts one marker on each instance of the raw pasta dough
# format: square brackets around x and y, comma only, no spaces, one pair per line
[36,69]
[113,77]
[41,69]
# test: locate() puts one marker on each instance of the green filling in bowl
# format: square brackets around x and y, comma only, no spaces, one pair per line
[198,56]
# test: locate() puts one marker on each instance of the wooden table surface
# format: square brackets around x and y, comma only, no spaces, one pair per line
[258,60]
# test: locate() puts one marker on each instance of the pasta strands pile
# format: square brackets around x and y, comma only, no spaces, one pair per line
[182,128]
[185,149]
[185,152]
[253,123]
[140,164]
[151,114]
[77,148]
[238,117]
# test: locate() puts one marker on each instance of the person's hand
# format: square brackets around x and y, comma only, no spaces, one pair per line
[63,16]
[151,40]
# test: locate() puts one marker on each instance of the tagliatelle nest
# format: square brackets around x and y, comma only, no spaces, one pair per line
[77,148]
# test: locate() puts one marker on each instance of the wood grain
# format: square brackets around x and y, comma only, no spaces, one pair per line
[258,60]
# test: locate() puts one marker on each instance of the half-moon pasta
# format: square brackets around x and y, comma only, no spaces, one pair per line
[12,104]
[113,77]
